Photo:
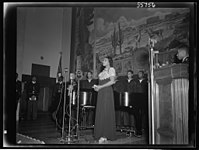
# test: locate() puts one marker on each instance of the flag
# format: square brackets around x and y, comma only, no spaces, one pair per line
[59,70]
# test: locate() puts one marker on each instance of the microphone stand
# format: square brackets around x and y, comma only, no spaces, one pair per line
[78,91]
[60,98]
[64,111]
[78,76]
[69,123]
[151,90]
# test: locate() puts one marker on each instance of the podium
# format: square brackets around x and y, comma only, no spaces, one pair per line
[171,88]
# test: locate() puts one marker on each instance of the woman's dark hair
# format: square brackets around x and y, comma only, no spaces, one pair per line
[102,68]
[110,60]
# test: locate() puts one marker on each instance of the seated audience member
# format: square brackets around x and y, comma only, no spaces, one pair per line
[183,54]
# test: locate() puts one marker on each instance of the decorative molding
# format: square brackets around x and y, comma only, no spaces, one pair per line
[172,71]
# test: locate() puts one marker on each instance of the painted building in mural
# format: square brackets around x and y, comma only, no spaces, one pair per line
[124,33]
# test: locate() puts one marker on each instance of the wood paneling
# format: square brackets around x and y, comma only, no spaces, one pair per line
[171,104]
[44,98]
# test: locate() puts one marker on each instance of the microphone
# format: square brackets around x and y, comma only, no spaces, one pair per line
[71,83]
[72,77]
[152,42]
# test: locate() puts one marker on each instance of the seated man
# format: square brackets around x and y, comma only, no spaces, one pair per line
[183,54]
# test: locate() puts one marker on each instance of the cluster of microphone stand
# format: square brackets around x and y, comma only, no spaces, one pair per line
[69,138]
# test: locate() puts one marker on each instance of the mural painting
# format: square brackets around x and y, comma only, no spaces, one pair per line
[124,33]
[84,49]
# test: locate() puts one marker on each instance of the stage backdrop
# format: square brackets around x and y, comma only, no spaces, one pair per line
[123,34]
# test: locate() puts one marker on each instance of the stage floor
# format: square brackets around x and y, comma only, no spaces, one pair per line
[43,129]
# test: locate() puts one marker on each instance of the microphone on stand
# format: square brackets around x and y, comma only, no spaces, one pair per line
[79,76]
[72,77]
[64,107]
[152,42]
[151,85]
[154,57]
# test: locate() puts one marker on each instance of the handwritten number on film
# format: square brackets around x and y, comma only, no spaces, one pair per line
[145,5]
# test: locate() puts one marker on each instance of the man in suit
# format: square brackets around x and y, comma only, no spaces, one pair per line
[140,102]
[33,89]
[87,86]
[130,88]
[89,82]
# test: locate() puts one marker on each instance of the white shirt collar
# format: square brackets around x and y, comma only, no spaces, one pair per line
[141,80]
[129,80]
[184,58]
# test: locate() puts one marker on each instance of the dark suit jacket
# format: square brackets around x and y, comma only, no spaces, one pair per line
[58,88]
[186,60]
[33,89]
[140,95]
[130,86]
[86,85]
[141,87]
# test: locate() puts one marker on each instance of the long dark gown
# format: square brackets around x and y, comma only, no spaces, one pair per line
[105,125]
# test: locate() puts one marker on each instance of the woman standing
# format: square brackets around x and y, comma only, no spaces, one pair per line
[105,126]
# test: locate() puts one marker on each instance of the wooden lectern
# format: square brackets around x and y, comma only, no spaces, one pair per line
[171,88]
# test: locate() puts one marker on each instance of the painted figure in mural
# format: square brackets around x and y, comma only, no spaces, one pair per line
[138,39]
[140,102]
[105,125]
[183,54]
[33,89]
[86,87]
[155,33]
